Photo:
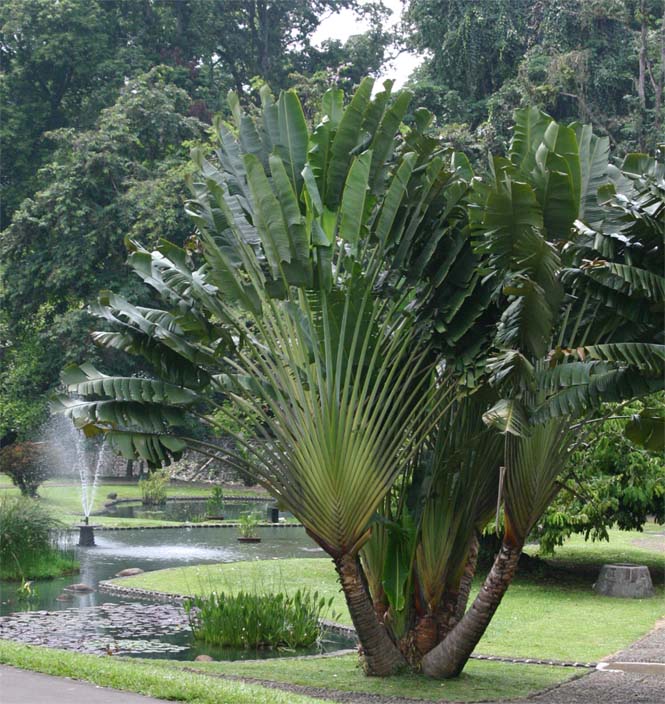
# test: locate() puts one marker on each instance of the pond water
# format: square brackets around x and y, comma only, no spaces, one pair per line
[97,621]
[188,510]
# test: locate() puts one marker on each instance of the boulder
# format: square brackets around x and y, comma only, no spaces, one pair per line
[129,572]
[80,588]
[624,580]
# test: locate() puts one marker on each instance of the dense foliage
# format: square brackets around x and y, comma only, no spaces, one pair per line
[98,134]
[123,178]
[62,62]
[597,61]
[609,482]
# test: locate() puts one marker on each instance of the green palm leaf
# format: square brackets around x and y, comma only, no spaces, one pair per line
[85,380]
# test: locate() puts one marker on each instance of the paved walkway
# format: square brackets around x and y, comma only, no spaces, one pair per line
[616,687]
[25,687]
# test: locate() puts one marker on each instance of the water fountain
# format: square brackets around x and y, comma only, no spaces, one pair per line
[68,446]
[88,487]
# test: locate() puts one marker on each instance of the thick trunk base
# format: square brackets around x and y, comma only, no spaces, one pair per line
[450,656]
[381,656]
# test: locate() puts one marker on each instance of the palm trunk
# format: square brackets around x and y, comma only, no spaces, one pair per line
[449,657]
[467,577]
[446,614]
[453,603]
[382,657]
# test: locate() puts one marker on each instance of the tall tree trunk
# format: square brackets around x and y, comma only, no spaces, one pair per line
[450,656]
[642,57]
[382,657]
[659,85]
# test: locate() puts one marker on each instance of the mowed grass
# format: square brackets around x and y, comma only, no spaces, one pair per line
[549,613]
[144,677]
[481,680]
[63,499]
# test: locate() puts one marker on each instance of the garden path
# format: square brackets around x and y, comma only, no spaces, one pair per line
[24,687]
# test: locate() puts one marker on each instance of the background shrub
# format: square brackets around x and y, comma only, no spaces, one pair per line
[28,541]
[24,463]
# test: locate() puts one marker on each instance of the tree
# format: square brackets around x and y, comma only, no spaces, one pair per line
[609,481]
[544,346]
[125,177]
[52,56]
[332,274]
[276,307]
[63,62]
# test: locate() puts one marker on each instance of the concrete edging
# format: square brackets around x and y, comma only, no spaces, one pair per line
[180,526]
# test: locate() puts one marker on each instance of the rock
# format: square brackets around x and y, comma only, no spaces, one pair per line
[129,572]
[113,495]
[80,588]
[624,580]
[203,658]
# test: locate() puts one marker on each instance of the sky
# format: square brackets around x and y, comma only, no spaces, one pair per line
[343,24]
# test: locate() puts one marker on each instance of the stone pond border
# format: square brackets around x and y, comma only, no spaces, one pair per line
[181,526]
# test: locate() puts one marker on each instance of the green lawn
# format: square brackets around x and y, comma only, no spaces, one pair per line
[549,613]
[479,681]
[63,498]
[144,677]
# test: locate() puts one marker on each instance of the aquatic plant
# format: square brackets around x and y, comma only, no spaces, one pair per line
[215,504]
[154,488]
[248,523]
[250,620]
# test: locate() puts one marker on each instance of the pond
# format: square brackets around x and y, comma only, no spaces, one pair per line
[101,622]
[184,510]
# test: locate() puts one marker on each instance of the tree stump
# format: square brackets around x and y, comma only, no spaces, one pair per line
[624,580]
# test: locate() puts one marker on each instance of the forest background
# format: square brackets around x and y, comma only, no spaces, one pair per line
[102,101]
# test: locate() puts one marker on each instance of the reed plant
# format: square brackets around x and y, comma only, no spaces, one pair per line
[154,488]
[29,541]
[215,504]
[248,524]
[248,620]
